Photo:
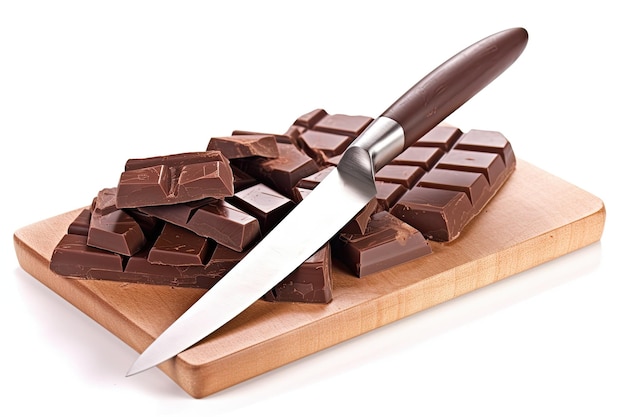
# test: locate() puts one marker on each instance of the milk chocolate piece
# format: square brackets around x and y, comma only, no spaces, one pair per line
[268,206]
[80,225]
[487,141]
[388,193]
[282,173]
[358,224]
[309,119]
[342,124]
[422,156]
[241,179]
[178,246]
[450,195]
[324,136]
[443,137]
[113,229]
[311,282]
[212,218]
[323,145]
[243,146]
[387,242]
[312,180]
[439,214]
[405,175]
[174,179]
[290,136]
[72,257]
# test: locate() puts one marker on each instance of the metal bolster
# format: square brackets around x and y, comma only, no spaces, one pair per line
[383,140]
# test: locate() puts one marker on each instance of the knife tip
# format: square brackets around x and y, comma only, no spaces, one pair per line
[137,367]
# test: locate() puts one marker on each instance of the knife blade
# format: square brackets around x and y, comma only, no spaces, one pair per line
[342,194]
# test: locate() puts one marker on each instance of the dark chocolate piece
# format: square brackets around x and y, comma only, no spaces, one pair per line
[211,218]
[387,242]
[268,206]
[311,282]
[282,173]
[113,229]
[243,146]
[174,179]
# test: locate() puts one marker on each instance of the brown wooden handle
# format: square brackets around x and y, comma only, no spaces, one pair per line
[454,82]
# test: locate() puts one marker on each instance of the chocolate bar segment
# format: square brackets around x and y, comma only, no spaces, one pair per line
[387,242]
[174,179]
[325,136]
[442,136]
[178,246]
[405,175]
[388,193]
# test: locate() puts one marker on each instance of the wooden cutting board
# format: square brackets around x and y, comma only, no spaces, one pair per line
[535,218]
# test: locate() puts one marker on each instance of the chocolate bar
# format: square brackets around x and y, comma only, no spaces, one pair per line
[172,179]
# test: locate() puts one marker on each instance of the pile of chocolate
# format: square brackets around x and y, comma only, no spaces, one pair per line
[186,219]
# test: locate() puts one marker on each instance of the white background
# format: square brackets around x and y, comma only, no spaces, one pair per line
[86,85]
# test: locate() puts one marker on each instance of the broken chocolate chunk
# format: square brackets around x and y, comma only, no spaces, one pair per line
[174,179]
[387,242]
[243,146]
[113,229]
[268,206]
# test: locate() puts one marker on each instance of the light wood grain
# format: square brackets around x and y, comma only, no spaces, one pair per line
[535,218]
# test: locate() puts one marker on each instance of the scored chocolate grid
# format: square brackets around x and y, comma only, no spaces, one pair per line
[475,163]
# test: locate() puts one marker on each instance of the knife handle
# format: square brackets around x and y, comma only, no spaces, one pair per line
[433,98]
[454,82]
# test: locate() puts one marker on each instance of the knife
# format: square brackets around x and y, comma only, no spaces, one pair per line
[342,194]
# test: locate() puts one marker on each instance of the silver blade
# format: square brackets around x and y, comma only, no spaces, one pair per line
[308,227]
